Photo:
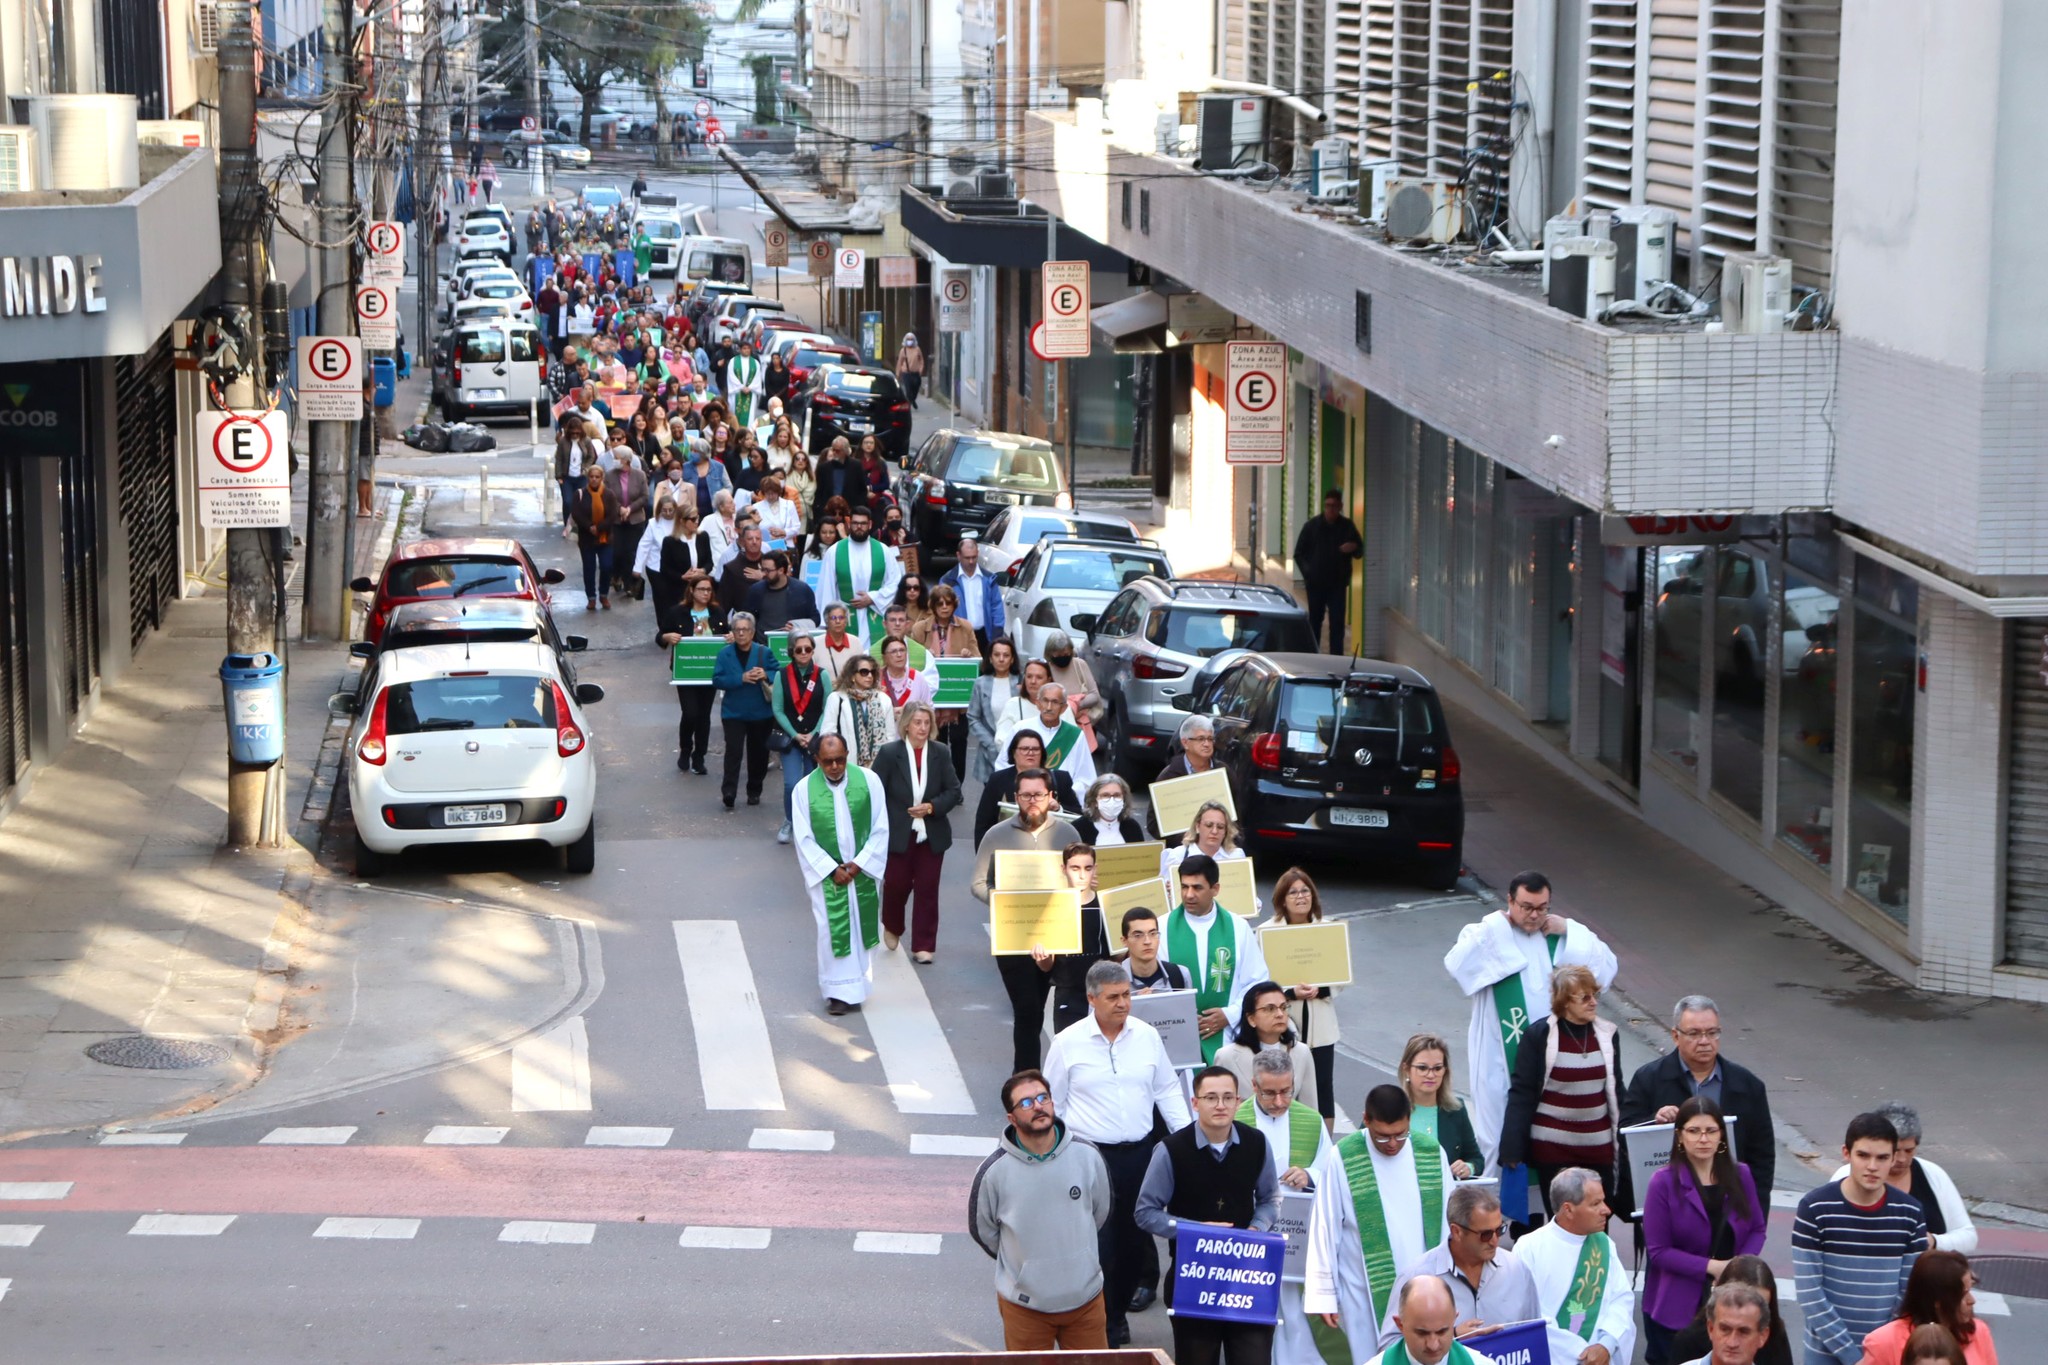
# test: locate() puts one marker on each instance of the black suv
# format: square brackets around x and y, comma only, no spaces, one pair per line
[1335,755]
[961,480]
[854,401]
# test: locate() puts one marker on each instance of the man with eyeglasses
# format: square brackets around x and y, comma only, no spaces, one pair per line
[1695,1066]
[1488,1286]
[842,848]
[1379,1207]
[1503,963]
[1037,1206]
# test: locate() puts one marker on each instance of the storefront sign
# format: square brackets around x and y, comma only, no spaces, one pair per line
[42,410]
[896,272]
[50,286]
[1255,403]
[1659,530]
[955,289]
[245,476]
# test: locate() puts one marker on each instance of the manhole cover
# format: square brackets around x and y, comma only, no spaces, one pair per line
[156,1054]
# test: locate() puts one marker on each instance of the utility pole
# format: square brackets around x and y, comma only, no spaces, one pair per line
[330,504]
[537,156]
[255,791]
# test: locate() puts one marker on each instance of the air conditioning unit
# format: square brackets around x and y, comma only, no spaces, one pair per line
[1166,133]
[171,132]
[18,163]
[1421,210]
[1581,276]
[1644,239]
[206,27]
[1330,163]
[1556,230]
[990,184]
[1374,179]
[1231,130]
[86,142]
[1756,292]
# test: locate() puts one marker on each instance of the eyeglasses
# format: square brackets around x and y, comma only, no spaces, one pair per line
[802,649]
[1483,1234]
[1699,1035]
[1709,1132]
[863,672]
[1428,1069]
[1031,1101]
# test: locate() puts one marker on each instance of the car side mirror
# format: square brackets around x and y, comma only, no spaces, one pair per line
[1183,702]
[363,649]
[1010,574]
[1084,622]
[343,704]
[576,643]
[551,576]
[361,585]
[588,694]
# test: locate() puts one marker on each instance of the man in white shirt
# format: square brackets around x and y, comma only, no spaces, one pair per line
[1108,1073]
[981,606]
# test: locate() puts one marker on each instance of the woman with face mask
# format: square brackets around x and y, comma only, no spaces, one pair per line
[1107,820]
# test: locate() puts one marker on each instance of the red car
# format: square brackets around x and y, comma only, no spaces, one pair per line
[447,570]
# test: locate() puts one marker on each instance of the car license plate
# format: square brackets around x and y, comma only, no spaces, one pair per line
[860,428]
[484,394]
[1370,819]
[474,815]
[1002,499]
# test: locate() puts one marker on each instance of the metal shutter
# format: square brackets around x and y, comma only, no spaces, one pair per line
[13,628]
[1803,151]
[78,530]
[146,429]
[2026,816]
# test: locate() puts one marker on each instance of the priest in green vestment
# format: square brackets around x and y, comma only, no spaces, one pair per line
[840,826]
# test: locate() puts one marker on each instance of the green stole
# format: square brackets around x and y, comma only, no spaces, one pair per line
[1397,1354]
[1581,1307]
[1511,1005]
[744,369]
[825,829]
[1304,1131]
[1355,1149]
[1212,978]
[842,570]
[1061,744]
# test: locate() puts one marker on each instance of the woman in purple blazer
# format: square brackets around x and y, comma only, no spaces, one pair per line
[1701,1212]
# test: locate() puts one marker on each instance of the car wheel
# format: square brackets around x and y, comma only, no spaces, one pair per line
[581,856]
[1116,742]
[369,862]
[1441,872]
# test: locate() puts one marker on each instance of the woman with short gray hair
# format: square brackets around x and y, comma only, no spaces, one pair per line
[1949,1226]
[1107,814]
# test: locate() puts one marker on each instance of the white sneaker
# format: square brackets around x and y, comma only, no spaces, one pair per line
[782,835]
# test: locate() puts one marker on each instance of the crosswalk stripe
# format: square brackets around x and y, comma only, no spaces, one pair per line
[35,1189]
[461,1135]
[306,1137]
[734,1057]
[899,1243]
[142,1139]
[18,1234]
[628,1137]
[924,1077]
[1991,1305]
[726,1239]
[949,1144]
[549,1234]
[5,1285]
[791,1140]
[551,1073]
[181,1225]
[370,1229]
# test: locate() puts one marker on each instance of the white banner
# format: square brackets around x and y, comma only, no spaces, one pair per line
[1174,1014]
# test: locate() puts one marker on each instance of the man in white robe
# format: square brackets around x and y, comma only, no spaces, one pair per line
[840,824]
[1503,964]
[1295,1140]
[1219,949]
[1066,748]
[863,573]
[1581,1287]
[1426,1314]
[745,382]
[1355,1256]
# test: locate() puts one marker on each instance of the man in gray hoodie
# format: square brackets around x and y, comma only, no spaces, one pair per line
[1036,1205]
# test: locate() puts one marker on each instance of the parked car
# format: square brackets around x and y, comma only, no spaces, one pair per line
[559,148]
[852,401]
[465,568]
[602,198]
[1338,755]
[471,743]
[1063,584]
[807,357]
[960,480]
[496,212]
[601,117]
[731,314]
[727,260]
[478,620]
[498,289]
[489,366]
[1015,530]
[484,235]
[1157,631]
[764,327]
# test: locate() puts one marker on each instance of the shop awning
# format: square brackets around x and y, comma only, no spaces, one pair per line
[1148,322]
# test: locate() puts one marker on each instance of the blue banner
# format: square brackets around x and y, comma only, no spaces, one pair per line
[1230,1274]
[1520,1343]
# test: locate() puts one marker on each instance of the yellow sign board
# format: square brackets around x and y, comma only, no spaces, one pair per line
[1175,801]
[1122,864]
[1021,870]
[1307,954]
[1237,888]
[1150,894]
[1020,921]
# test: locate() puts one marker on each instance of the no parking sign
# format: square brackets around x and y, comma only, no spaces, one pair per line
[245,476]
[1255,407]
[331,379]
[849,268]
[377,316]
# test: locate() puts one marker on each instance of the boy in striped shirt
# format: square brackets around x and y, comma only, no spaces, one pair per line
[1853,1245]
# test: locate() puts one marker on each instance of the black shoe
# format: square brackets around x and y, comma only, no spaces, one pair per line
[697,767]
[682,763]
[835,1007]
[1119,1334]
[727,800]
[1142,1299]
[754,799]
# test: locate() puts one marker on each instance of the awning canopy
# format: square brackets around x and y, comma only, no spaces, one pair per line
[1148,322]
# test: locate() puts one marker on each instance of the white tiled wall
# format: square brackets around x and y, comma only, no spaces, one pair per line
[1957,779]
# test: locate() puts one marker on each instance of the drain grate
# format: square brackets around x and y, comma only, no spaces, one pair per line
[156,1054]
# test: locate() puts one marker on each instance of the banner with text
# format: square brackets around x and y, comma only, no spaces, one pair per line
[1229,1274]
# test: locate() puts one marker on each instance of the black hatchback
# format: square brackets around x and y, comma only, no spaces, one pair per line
[1337,755]
[960,481]
[854,401]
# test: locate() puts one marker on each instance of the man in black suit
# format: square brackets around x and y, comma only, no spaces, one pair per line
[1697,1067]
[921,788]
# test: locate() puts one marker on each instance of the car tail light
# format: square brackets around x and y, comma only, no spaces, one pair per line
[825,400]
[371,749]
[1279,834]
[935,492]
[569,738]
[374,630]
[1148,667]
[542,356]
[1451,769]
[900,405]
[458,374]
[1266,752]
[1430,845]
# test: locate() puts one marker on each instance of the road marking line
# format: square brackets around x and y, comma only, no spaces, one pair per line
[1991,1305]
[898,1243]
[924,1077]
[5,1285]
[734,1056]
[35,1189]
[549,1234]
[370,1229]
[947,1144]
[142,1139]
[306,1137]
[1786,1199]
[790,1140]
[726,1239]
[551,1073]
[456,1135]
[181,1225]
[628,1137]
[18,1234]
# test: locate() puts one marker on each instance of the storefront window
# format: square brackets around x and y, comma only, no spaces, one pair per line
[1681,596]
[1743,622]
[1882,687]
[1806,719]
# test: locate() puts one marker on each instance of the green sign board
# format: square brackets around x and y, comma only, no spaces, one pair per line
[956,682]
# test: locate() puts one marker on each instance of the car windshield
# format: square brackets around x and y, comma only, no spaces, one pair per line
[491,702]
[483,348]
[1033,469]
[859,385]
[809,359]
[497,289]
[1313,713]
[665,230]
[1205,633]
[456,578]
[1100,570]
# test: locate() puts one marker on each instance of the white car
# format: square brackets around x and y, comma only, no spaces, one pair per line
[1064,585]
[485,234]
[1015,530]
[500,290]
[469,744]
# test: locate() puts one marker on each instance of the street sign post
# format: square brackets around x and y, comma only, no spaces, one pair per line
[775,238]
[331,379]
[1255,403]
[955,288]
[896,272]
[819,253]
[527,123]
[245,476]
[384,251]
[849,268]
[703,108]
[1067,330]
[377,316]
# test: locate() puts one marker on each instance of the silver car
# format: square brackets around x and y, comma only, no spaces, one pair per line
[1146,646]
[1062,584]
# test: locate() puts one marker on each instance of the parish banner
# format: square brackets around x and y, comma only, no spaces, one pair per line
[1228,1274]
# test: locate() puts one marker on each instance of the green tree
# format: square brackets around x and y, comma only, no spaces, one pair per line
[767,95]
[593,42]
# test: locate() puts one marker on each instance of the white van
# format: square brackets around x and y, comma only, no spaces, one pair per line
[668,227]
[492,366]
[724,259]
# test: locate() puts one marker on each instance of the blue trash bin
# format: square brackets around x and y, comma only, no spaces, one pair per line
[384,374]
[252,686]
